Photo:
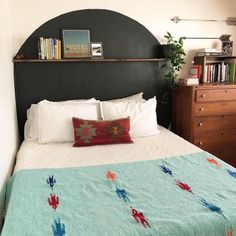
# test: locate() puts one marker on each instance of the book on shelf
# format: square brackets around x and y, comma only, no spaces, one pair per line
[204,54]
[188,80]
[49,48]
[209,52]
[219,72]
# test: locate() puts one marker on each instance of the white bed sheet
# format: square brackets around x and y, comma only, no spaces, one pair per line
[33,155]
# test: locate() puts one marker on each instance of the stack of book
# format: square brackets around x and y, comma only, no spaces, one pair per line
[209,52]
[49,48]
[188,80]
[219,72]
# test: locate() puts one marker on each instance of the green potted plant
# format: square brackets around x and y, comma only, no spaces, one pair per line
[174,52]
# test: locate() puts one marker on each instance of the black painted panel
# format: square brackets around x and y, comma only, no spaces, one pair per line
[122,37]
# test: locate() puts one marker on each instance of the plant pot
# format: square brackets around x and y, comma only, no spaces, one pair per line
[166,50]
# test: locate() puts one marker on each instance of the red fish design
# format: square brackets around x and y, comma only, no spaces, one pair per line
[214,162]
[111,175]
[53,201]
[139,217]
[229,232]
[183,186]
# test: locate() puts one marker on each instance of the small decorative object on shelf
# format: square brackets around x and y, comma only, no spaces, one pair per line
[76,43]
[227,45]
[49,49]
[97,50]
[196,71]
[19,57]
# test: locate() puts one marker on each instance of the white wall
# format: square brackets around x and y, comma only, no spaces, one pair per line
[8,126]
[154,14]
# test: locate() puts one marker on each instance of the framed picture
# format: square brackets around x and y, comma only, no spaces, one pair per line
[76,43]
[97,50]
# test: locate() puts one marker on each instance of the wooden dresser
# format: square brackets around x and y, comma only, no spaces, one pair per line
[205,115]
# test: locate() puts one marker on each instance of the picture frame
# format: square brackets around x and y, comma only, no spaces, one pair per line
[97,50]
[76,43]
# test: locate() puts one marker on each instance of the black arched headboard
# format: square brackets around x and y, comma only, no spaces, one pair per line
[122,38]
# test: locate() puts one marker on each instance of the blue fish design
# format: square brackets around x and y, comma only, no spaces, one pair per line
[232,173]
[166,170]
[51,181]
[212,207]
[58,228]
[122,194]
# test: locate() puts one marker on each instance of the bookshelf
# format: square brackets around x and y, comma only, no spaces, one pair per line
[91,60]
[217,69]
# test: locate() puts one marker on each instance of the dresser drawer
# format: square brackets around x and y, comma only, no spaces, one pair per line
[211,95]
[218,140]
[215,108]
[214,123]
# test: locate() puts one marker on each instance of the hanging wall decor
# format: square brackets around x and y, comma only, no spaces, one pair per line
[228,21]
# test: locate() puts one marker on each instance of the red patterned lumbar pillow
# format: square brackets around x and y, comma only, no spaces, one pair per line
[92,132]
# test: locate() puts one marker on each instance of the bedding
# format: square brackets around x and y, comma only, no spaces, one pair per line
[143,120]
[93,132]
[55,124]
[183,195]
[32,155]
[31,129]
[159,185]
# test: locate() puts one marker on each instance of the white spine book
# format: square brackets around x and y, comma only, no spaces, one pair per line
[204,79]
[223,72]
[42,48]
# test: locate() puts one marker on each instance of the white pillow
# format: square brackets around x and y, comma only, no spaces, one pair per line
[55,120]
[137,96]
[143,121]
[31,129]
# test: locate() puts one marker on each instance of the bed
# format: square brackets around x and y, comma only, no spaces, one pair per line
[144,188]
[158,185]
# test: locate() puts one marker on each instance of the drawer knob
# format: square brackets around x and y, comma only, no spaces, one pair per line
[200,143]
[200,124]
[226,91]
[201,109]
[203,95]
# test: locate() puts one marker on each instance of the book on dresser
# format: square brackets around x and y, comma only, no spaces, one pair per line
[216,69]
[205,115]
[188,80]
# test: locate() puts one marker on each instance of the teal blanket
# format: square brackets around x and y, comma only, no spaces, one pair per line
[184,195]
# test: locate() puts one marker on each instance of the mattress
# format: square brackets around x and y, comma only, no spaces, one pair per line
[33,155]
[159,185]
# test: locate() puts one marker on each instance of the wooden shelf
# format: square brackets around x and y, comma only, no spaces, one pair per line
[93,60]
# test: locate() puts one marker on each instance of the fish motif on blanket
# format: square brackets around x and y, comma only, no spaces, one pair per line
[139,217]
[183,186]
[122,194]
[212,207]
[111,175]
[51,181]
[232,173]
[58,228]
[229,232]
[214,162]
[53,201]
[166,170]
